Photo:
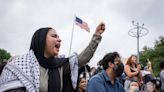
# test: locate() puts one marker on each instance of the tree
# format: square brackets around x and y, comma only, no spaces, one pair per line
[4,55]
[160,42]
[155,54]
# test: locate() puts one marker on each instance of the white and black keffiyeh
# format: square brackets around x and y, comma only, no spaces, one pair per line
[22,71]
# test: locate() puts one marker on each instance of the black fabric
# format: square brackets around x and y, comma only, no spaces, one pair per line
[119,69]
[83,69]
[2,66]
[67,83]
[52,64]
[38,45]
[21,89]
[130,70]
[39,40]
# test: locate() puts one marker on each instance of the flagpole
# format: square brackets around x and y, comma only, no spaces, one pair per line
[72,36]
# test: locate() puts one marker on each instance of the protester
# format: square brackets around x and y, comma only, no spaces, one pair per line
[142,70]
[42,69]
[150,84]
[106,81]
[132,71]
[82,83]
[162,75]
[134,86]
[84,76]
[148,67]
[85,71]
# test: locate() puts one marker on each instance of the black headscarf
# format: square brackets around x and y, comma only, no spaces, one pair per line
[38,45]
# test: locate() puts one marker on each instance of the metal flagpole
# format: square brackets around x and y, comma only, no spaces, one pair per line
[138,31]
[72,36]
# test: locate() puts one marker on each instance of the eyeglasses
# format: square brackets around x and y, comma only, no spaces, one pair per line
[117,60]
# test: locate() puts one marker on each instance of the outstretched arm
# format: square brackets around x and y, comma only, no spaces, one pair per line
[89,51]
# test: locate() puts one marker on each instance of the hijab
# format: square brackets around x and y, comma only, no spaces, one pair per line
[52,64]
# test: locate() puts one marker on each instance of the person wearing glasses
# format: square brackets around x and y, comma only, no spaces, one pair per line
[106,80]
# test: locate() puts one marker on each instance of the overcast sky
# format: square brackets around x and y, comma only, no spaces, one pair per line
[19,19]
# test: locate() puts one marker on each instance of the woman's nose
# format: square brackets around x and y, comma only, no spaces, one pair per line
[59,39]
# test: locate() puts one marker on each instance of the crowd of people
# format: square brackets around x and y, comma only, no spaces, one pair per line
[42,69]
[133,77]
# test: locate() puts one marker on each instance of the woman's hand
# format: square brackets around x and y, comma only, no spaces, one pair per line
[136,70]
[100,28]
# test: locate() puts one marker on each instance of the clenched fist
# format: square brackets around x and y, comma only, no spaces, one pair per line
[100,28]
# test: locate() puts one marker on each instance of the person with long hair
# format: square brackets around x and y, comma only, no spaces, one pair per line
[82,84]
[42,69]
[82,81]
[132,71]
[148,67]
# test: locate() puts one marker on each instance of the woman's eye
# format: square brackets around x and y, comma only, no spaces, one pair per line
[54,36]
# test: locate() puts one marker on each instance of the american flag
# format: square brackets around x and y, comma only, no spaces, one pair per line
[82,24]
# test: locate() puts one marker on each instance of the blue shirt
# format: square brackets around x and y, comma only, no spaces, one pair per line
[101,83]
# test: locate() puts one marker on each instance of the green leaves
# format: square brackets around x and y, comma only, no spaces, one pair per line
[4,55]
[155,54]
